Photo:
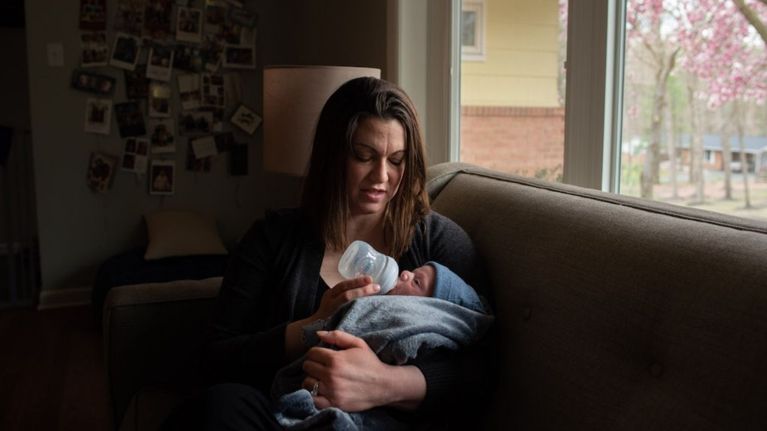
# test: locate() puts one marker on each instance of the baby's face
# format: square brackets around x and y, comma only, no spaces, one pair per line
[420,282]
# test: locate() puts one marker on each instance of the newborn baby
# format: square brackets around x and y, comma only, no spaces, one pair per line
[435,280]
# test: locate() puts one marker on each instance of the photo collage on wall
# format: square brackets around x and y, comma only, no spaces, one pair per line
[180,63]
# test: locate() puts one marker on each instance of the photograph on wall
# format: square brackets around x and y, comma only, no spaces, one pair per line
[204,146]
[162,135]
[242,17]
[101,170]
[129,17]
[135,158]
[95,50]
[130,119]
[93,15]
[189,25]
[189,91]
[187,58]
[212,91]
[160,62]
[195,123]
[215,16]
[230,33]
[159,99]
[136,83]
[193,163]
[210,52]
[157,19]
[162,176]
[90,82]
[246,119]
[126,51]
[239,57]
[98,115]
[217,119]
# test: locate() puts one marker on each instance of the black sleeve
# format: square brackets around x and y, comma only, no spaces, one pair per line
[459,379]
[242,345]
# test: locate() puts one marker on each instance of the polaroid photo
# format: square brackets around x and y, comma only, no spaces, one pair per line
[189,91]
[187,58]
[101,170]
[189,25]
[136,83]
[130,119]
[243,17]
[193,163]
[218,119]
[93,82]
[157,18]
[230,33]
[159,99]
[212,91]
[195,123]
[95,50]
[162,135]
[162,176]
[238,160]
[246,119]
[215,16]
[211,52]
[126,51]
[129,17]
[93,15]
[160,63]
[135,156]
[239,57]
[98,115]
[204,146]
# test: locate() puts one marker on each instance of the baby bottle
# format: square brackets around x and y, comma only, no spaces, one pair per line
[360,258]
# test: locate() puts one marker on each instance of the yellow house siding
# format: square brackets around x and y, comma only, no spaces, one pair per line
[521,56]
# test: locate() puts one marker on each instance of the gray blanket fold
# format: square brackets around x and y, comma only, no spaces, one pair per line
[398,329]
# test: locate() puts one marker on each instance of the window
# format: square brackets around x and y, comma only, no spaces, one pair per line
[473,30]
[512,103]
[662,97]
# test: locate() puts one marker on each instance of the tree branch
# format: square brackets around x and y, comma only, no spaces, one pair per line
[752,18]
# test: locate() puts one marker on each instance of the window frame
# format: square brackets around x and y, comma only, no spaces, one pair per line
[474,52]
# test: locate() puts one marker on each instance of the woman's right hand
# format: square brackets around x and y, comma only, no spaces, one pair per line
[344,292]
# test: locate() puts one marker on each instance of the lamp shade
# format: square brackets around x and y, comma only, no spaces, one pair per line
[293,99]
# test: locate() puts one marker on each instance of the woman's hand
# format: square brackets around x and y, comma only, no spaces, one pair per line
[353,379]
[344,292]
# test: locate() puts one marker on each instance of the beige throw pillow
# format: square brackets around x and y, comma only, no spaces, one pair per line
[181,233]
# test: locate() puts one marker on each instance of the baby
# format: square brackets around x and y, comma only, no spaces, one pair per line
[435,280]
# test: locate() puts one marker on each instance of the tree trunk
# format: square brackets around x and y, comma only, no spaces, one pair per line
[671,148]
[696,146]
[738,121]
[726,158]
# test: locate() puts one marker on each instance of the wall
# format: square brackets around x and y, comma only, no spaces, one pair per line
[79,229]
[521,56]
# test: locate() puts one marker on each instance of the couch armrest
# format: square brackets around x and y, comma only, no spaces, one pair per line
[153,335]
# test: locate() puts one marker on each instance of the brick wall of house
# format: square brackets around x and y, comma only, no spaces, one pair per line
[526,141]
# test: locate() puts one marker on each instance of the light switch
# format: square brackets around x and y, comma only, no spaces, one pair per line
[55,54]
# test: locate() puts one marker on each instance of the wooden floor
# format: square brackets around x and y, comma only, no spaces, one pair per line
[51,371]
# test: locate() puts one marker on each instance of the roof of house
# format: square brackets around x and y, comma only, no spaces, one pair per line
[753,144]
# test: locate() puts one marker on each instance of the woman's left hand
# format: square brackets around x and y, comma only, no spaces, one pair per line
[353,379]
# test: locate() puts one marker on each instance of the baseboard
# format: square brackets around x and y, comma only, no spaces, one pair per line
[64,298]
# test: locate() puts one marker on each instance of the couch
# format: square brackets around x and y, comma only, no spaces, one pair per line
[613,313]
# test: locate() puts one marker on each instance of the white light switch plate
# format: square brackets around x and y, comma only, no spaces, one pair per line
[55,54]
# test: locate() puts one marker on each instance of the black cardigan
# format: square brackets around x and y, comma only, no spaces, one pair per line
[273,278]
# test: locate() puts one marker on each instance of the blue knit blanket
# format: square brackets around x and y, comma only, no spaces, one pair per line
[398,329]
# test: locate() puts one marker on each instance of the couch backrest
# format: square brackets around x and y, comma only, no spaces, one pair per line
[614,312]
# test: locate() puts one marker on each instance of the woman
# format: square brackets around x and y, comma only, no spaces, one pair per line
[366,181]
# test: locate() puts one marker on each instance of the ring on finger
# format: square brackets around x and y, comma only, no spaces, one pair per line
[315,389]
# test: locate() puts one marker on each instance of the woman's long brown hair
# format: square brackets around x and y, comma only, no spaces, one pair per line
[325,200]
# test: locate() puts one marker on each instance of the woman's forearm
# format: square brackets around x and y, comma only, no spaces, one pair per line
[407,386]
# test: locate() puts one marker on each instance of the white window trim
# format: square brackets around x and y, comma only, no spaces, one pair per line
[475,52]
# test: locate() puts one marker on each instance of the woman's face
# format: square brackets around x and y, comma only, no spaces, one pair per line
[376,165]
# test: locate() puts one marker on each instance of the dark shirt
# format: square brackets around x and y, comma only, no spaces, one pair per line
[273,278]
